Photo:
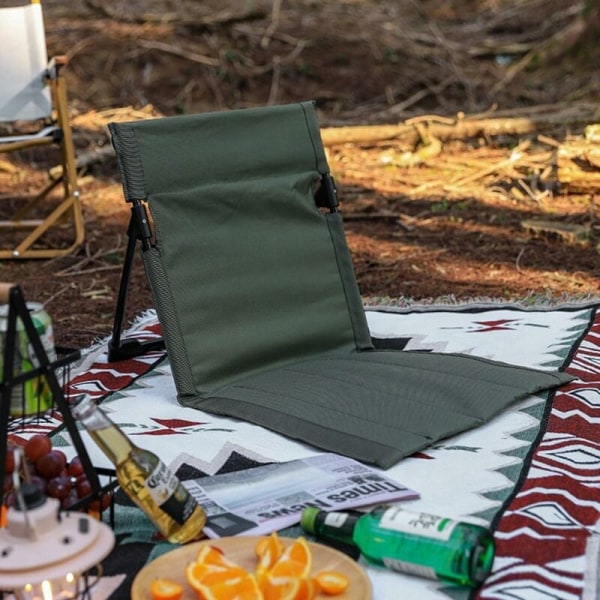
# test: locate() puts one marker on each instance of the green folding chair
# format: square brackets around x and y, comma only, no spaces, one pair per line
[254,288]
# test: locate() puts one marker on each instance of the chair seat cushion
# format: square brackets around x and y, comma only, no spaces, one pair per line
[377,406]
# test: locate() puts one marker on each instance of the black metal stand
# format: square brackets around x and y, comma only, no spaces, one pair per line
[17,309]
[118,349]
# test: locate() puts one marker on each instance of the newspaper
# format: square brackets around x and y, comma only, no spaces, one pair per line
[263,499]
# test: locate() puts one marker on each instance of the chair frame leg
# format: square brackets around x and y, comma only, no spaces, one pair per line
[119,349]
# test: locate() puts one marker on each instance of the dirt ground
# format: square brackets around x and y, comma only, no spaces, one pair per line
[444,125]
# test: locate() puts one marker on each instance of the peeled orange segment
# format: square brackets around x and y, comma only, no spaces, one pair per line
[332,583]
[165,589]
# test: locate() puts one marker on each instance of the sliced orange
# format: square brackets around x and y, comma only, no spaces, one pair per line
[288,568]
[199,575]
[239,588]
[270,543]
[332,583]
[281,574]
[279,588]
[296,561]
[262,544]
[211,555]
[268,550]
[165,589]
[288,588]
[307,589]
[299,551]
[195,572]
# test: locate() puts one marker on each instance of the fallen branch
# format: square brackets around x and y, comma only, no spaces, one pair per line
[536,121]
[86,158]
[90,259]
[170,49]
[409,134]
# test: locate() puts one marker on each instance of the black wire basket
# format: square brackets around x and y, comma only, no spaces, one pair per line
[35,396]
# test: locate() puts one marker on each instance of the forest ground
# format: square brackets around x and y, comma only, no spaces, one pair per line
[444,125]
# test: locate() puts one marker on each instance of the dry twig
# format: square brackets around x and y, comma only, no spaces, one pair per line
[187,54]
[90,259]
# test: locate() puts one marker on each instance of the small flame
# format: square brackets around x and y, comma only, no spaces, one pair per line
[47,590]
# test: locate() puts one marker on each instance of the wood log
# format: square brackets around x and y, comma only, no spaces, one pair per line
[539,120]
[409,135]
[570,232]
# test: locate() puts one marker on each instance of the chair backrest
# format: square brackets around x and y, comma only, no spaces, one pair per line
[247,272]
[23,61]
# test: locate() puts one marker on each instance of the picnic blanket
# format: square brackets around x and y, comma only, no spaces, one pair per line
[532,474]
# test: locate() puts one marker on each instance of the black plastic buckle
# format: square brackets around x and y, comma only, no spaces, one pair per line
[326,195]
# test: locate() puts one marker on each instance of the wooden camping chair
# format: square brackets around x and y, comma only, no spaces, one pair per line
[33,92]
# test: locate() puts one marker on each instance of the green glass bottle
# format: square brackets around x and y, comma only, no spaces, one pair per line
[410,542]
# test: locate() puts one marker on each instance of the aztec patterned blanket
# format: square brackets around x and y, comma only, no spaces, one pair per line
[532,474]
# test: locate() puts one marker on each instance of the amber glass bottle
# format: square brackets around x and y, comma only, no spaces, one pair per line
[144,477]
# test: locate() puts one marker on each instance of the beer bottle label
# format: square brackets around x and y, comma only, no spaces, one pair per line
[169,494]
[420,524]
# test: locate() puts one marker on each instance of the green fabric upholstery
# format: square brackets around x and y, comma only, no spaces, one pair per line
[255,291]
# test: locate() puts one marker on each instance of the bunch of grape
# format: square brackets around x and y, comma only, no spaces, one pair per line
[49,469]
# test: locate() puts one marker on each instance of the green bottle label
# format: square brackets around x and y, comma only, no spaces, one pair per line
[420,524]
[336,519]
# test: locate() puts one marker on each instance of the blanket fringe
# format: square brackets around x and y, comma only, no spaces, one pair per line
[531,302]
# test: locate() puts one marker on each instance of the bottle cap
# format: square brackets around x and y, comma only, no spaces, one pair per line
[482,557]
[82,406]
[308,518]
